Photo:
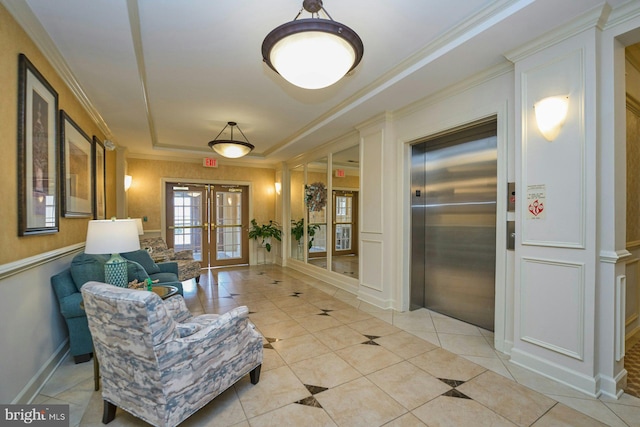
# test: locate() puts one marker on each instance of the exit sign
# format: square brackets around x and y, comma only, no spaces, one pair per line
[209,162]
[339,173]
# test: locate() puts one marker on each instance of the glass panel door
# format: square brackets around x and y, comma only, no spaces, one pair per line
[230,225]
[212,221]
[187,219]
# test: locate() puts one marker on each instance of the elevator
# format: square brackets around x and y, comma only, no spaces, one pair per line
[453,224]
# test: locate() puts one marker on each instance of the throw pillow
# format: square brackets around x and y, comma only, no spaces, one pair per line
[143,258]
[85,268]
[135,271]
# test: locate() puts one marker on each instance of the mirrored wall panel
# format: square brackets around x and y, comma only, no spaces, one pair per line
[345,188]
[297,213]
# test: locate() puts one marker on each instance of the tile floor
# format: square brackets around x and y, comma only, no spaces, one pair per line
[332,360]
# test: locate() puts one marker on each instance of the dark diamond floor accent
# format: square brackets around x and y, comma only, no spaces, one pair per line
[310,401]
[229,296]
[315,389]
[294,295]
[326,311]
[372,337]
[323,314]
[370,342]
[233,295]
[272,339]
[452,383]
[455,393]
[269,346]
[275,282]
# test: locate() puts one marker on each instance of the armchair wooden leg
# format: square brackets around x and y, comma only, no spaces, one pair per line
[255,375]
[109,412]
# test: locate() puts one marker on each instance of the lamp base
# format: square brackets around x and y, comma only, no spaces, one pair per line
[115,271]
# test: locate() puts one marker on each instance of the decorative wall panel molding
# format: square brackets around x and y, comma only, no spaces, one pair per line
[554,174]
[552,305]
[372,182]
[372,250]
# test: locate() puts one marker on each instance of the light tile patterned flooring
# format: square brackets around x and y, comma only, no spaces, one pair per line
[331,359]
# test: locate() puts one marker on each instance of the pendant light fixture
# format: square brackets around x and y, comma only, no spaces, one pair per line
[231,148]
[312,53]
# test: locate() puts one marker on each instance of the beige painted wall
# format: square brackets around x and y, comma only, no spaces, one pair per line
[13,41]
[144,198]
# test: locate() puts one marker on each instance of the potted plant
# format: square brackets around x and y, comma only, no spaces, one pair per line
[265,232]
[297,230]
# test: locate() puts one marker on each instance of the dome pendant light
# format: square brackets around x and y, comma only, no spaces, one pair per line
[312,53]
[231,148]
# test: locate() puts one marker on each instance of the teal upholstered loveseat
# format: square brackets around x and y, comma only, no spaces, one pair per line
[85,268]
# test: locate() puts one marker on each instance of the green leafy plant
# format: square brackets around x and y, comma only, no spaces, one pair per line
[265,232]
[297,231]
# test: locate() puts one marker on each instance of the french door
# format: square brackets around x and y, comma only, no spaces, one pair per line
[211,220]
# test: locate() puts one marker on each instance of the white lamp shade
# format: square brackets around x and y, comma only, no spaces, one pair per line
[128,179]
[112,236]
[551,114]
[312,59]
[139,225]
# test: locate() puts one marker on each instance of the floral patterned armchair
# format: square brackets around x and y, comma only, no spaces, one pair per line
[188,268]
[157,361]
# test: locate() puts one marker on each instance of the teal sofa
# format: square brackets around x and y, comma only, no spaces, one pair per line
[85,268]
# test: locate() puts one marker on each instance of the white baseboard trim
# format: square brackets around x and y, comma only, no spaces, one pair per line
[374,300]
[613,387]
[576,380]
[338,280]
[33,387]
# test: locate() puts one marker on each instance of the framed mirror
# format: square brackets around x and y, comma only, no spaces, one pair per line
[316,203]
[298,215]
[345,173]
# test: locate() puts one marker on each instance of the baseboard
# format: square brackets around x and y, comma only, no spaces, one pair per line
[33,387]
[613,387]
[576,380]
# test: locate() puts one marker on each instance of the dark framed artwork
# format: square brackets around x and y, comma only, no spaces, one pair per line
[77,176]
[100,190]
[38,201]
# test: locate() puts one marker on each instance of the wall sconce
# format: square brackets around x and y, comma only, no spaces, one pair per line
[278,187]
[127,182]
[551,114]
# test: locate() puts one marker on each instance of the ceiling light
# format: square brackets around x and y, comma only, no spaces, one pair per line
[231,148]
[312,53]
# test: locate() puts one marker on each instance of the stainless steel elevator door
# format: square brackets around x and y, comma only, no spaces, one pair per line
[458,204]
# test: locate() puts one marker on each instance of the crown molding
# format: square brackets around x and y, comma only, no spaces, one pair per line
[27,20]
[596,17]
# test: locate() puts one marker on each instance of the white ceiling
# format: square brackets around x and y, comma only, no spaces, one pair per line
[166,75]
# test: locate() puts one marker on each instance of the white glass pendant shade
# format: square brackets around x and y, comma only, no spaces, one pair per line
[312,59]
[551,114]
[231,150]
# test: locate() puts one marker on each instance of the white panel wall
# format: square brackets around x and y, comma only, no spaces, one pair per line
[555,300]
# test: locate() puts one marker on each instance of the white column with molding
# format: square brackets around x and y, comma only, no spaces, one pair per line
[555,276]
[378,238]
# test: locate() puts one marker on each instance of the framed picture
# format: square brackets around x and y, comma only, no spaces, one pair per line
[99,167]
[38,203]
[76,154]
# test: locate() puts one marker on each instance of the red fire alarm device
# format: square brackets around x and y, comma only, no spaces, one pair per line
[339,173]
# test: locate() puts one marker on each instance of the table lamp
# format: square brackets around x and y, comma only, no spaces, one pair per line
[113,236]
